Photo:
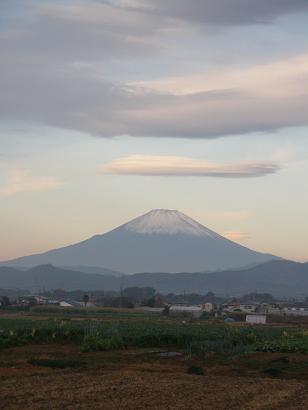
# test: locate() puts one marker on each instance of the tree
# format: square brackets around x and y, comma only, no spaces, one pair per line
[159,300]
[85,300]
[150,302]
[166,310]
[5,301]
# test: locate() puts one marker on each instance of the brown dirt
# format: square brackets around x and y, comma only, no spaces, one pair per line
[137,380]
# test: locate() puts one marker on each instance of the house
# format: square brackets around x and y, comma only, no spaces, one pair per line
[208,307]
[74,303]
[53,302]
[234,307]
[249,308]
[286,309]
[270,308]
[295,310]
[30,300]
[230,307]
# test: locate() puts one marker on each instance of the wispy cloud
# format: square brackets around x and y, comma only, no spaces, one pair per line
[282,78]
[221,12]
[183,166]
[20,181]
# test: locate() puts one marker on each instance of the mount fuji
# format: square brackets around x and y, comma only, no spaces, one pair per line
[159,241]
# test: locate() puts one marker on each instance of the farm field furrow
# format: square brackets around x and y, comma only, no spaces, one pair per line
[123,361]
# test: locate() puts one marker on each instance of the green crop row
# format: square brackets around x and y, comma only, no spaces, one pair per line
[194,338]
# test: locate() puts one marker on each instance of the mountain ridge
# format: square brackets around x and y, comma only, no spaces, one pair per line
[281,278]
[160,240]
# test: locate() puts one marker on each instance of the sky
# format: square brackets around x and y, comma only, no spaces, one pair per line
[109,109]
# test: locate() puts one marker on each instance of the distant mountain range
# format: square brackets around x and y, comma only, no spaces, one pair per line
[159,241]
[93,269]
[48,277]
[281,278]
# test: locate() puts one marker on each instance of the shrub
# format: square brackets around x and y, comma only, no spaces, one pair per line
[96,343]
[273,371]
[195,370]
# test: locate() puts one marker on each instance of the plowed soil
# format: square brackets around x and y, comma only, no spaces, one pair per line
[140,380]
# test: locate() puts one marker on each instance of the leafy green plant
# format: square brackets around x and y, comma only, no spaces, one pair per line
[93,343]
[118,332]
[284,345]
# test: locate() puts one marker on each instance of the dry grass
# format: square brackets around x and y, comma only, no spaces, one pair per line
[140,380]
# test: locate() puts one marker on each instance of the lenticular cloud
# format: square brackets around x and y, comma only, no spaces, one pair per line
[183,166]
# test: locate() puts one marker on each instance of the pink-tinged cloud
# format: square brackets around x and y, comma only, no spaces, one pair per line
[236,235]
[19,181]
[149,165]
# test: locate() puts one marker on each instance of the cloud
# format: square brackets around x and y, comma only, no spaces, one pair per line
[19,181]
[147,165]
[280,79]
[81,32]
[222,12]
[236,235]
[12,11]
[261,98]
[52,73]
[228,102]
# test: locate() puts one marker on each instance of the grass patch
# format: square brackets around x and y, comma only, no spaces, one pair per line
[286,367]
[6,364]
[58,363]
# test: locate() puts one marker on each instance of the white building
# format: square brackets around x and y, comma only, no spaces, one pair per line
[256,319]
[189,310]
[295,311]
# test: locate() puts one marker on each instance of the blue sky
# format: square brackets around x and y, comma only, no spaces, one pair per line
[111,109]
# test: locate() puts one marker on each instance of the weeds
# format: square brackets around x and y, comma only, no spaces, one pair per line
[273,371]
[198,370]
[57,363]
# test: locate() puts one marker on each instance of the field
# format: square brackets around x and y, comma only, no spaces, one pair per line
[121,359]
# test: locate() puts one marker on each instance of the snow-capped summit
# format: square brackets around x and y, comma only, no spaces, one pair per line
[169,222]
[162,240]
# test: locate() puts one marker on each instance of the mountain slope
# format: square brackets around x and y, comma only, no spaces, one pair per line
[49,277]
[93,269]
[159,241]
[281,278]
